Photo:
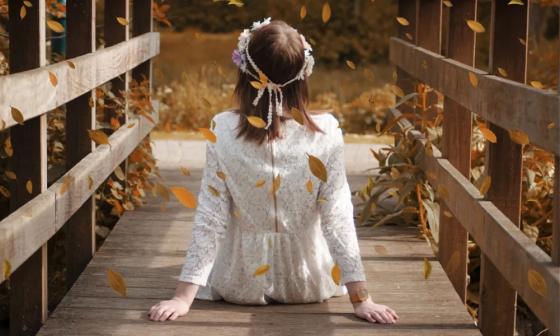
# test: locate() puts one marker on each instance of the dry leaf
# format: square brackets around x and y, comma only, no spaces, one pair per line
[297,115]
[99,137]
[519,137]
[55,26]
[552,125]
[303,12]
[351,64]
[27,3]
[409,36]
[90,182]
[122,21]
[402,21]
[256,121]
[66,182]
[221,175]
[380,249]
[485,185]
[237,3]
[261,270]
[448,3]
[476,26]
[29,186]
[326,13]
[447,214]
[22,12]
[317,167]
[335,274]
[5,192]
[515,2]
[17,115]
[502,72]
[321,200]
[260,183]
[11,175]
[184,196]
[208,134]
[427,268]
[53,78]
[119,173]
[71,65]
[214,191]
[309,186]
[537,282]
[7,269]
[275,184]
[185,171]
[397,91]
[488,134]
[473,79]
[116,281]
[537,84]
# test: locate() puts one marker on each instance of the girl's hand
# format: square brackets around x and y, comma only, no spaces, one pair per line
[374,312]
[169,309]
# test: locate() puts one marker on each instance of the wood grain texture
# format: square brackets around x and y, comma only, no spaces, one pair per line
[426,307]
[504,102]
[32,92]
[142,23]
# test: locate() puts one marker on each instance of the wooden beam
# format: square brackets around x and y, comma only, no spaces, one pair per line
[502,101]
[429,25]
[142,24]
[456,146]
[32,92]
[28,228]
[80,117]
[28,293]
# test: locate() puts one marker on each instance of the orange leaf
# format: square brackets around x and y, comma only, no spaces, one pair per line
[208,134]
[309,186]
[116,281]
[29,186]
[326,12]
[335,274]
[53,78]
[488,134]
[261,270]
[55,26]
[184,196]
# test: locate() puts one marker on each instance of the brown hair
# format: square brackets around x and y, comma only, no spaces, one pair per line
[278,51]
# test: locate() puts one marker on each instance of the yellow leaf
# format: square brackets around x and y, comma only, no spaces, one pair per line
[237,3]
[519,137]
[214,191]
[116,281]
[317,168]
[397,91]
[119,173]
[309,186]
[17,115]
[335,274]
[7,267]
[90,182]
[275,184]
[502,72]
[184,196]
[537,282]
[473,79]
[515,2]
[256,121]
[11,175]
[448,3]
[22,12]
[297,115]
[488,134]
[55,26]
[303,12]
[257,85]
[326,13]
[476,26]
[351,64]
[427,268]
[122,21]
[208,134]
[28,3]
[402,21]
[53,78]
[29,186]
[537,84]
[485,185]
[261,270]
[221,175]
[99,137]
[260,183]
[185,171]
[71,64]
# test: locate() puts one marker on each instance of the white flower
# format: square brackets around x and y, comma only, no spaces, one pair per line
[259,25]
[309,63]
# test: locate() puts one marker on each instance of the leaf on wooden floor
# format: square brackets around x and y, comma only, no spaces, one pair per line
[519,137]
[257,122]
[427,268]
[55,26]
[208,134]
[116,282]
[29,186]
[402,21]
[537,282]
[335,274]
[184,196]
[476,26]
[261,270]
[309,186]
[17,115]
[485,185]
[317,167]
[326,12]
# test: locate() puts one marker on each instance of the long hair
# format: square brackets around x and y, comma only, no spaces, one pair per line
[278,51]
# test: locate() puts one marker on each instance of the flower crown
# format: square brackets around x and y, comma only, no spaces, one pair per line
[242,59]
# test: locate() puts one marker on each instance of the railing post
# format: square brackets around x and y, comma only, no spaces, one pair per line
[504,164]
[456,145]
[28,294]
[142,23]
[80,117]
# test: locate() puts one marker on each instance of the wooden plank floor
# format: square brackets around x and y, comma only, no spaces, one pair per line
[148,247]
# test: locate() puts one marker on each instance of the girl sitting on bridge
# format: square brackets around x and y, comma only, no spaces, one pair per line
[275,218]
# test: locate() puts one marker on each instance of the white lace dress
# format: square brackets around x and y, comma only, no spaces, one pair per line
[251,247]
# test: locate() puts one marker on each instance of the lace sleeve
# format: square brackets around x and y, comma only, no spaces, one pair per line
[210,222]
[337,221]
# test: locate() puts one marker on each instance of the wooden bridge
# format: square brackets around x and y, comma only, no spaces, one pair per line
[147,246]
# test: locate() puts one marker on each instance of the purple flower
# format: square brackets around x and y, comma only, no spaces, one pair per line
[237,58]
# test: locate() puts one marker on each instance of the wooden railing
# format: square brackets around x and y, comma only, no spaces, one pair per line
[512,264]
[39,212]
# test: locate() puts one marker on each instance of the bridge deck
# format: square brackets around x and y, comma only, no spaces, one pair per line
[148,246]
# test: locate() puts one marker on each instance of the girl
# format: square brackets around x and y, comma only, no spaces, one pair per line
[275,205]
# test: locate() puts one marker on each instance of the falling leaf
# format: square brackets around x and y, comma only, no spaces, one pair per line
[448,3]
[515,2]
[208,134]
[409,36]
[5,192]
[119,173]
[488,134]
[317,167]
[519,137]
[214,191]
[427,268]
[303,12]
[90,182]
[236,213]
[10,174]
[297,115]
[29,186]
[397,91]
[122,21]
[66,182]
[502,72]
[27,3]
[260,183]
[237,3]
[351,64]
[185,171]
[53,78]
[442,192]
[17,115]
[522,41]
[309,186]
[537,282]
[22,12]
[335,274]
[55,26]
[476,26]
[261,270]
[7,267]
[99,137]
[184,196]
[537,84]
[485,185]
[221,175]
[71,64]
[552,125]
[402,21]
[116,281]
[321,200]
[326,13]
[380,249]
[473,79]
[256,122]
[447,214]
[275,184]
